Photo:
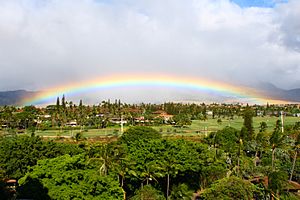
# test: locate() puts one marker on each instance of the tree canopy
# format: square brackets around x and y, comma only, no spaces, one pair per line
[139,133]
[68,177]
[17,153]
[230,188]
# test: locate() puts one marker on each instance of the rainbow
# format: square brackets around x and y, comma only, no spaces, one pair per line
[152,80]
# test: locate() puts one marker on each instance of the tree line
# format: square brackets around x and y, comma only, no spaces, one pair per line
[100,116]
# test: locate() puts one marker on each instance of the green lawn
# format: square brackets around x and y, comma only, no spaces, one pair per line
[86,133]
[237,122]
[199,126]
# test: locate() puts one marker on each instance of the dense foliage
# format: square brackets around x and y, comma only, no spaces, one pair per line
[230,188]
[142,164]
[67,177]
[139,133]
[17,153]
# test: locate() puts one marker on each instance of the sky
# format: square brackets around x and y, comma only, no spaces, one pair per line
[258,3]
[46,43]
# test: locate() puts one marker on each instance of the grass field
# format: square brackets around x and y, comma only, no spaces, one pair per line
[198,127]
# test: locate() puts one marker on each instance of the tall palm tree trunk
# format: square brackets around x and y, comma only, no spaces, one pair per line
[168,185]
[294,163]
[273,159]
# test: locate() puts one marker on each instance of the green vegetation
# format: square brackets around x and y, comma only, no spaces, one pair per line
[148,192]
[66,119]
[17,153]
[67,177]
[170,151]
[230,188]
[137,133]
[198,127]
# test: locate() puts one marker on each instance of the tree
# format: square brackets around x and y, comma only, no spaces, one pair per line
[163,160]
[277,180]
[182,192]
[182,120]
[67,177]
[261,146]
[230,188]
[211,171]
[276,140]
[227,139]
[148,193]
[151,172]
[145,154]
[263,127]
[248,123]
[296,149]
[26,118]
[19,152]
[63,102]
[139,133]
[107,154]
[204,113]
[78,136]
[239,152]
[57,104]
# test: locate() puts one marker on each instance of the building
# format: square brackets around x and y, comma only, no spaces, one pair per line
[72,123]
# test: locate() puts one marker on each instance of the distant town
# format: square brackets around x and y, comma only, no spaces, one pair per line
[66,114]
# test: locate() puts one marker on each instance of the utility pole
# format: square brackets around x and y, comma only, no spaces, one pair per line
[282,129]
[122,129]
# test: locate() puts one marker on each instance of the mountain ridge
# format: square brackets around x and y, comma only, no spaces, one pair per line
[275,92]
[14,97]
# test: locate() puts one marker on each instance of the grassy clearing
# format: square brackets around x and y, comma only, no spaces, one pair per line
[237,122]
[88,133]
[200,127]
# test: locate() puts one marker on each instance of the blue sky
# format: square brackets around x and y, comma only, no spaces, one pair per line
[242,3]
[258,3]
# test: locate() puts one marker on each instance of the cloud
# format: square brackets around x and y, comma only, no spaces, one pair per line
[287,16]
[51,42]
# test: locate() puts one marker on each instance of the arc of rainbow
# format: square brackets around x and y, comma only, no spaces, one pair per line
[143,80]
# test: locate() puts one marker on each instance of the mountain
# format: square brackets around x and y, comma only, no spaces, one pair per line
[294,94]
[271,91]
[267,90]
[14,97]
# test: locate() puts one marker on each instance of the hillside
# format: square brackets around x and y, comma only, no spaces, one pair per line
[14,97]
[272,91]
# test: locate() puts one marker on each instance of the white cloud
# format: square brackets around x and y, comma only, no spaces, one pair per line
[55,41]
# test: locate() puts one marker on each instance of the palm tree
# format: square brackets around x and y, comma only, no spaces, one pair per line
[276,140]
[125,167]
[181,191]
[171,166]
[276,183]
[296,149]
[151,172]
[106,155]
